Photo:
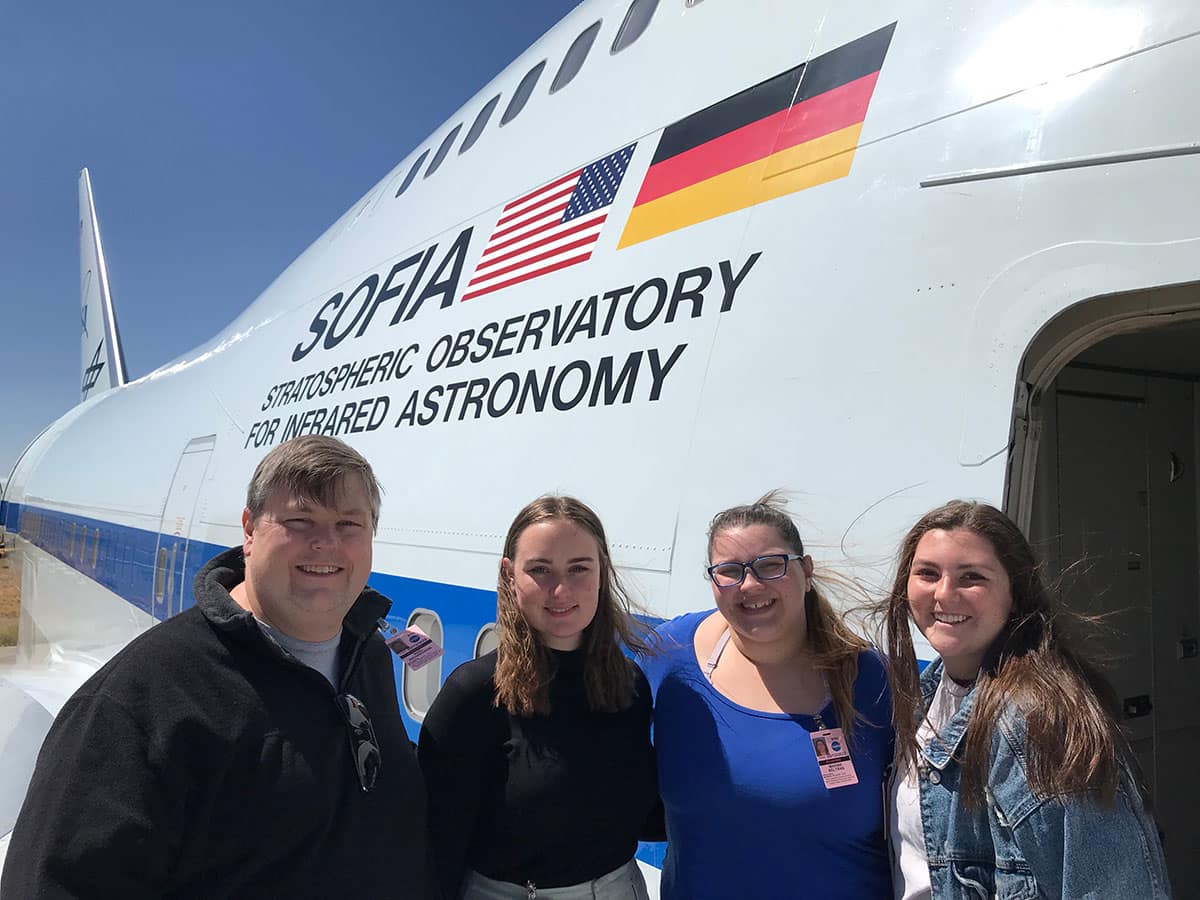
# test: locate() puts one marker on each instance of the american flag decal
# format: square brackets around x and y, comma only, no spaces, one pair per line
[551,227]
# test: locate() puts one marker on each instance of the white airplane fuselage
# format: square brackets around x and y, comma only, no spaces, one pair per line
[871,328]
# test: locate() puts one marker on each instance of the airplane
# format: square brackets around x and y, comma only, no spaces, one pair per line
[678,253]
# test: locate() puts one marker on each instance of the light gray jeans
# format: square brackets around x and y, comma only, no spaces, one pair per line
[625,883]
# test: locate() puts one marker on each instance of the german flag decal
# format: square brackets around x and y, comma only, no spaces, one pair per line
[794,131]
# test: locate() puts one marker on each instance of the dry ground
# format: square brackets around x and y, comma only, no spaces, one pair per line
[10,597]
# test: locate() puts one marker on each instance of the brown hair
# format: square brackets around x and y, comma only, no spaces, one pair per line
[525,667]
[311,468]
[834,648]
[1073,742]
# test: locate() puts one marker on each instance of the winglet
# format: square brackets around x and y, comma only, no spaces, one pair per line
[101,360]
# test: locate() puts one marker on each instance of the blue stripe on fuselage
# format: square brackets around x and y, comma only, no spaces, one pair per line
[124,564]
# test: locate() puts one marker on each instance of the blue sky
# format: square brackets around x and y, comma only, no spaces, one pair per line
[222,139]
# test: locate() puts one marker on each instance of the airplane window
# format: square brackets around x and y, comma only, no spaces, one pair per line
[160,575]
[636,20]
[171,576]
[71,552]
[478,125]
[521,97]
[443,150]
[419,688]
[412,173]
[95,548]
[573,61]
[487,640]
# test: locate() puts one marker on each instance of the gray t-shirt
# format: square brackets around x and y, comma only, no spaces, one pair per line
[319,655]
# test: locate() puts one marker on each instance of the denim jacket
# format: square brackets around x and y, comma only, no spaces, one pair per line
[1019,844]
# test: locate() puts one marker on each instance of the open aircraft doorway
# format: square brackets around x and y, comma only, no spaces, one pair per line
[1105,459]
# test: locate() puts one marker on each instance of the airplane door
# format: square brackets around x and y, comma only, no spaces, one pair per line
[170,557]
[1103,502]
[1127,511]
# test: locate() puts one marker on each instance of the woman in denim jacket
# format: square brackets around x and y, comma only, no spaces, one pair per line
[1012,777]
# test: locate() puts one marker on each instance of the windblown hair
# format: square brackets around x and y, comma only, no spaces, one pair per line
[311,468]
[832,645]
[525,666]
[1073,741]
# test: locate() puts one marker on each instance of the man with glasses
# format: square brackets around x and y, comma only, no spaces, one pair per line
[251,746]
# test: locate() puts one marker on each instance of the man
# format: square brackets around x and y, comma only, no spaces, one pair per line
[251,746]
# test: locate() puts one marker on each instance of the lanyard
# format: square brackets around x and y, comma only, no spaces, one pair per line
[715,657]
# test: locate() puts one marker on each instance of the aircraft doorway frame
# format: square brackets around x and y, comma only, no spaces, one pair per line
[171,548]
[1057,343]
[1035,421]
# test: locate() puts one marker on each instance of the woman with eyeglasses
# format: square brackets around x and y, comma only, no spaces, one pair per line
[772,728]
[1010,763]
[537,756]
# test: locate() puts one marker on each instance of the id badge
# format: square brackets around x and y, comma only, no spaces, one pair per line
[415,648]
[833,758]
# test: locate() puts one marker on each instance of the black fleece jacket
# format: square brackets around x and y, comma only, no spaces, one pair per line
[203,761]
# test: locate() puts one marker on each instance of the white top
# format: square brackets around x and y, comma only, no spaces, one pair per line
[910,867]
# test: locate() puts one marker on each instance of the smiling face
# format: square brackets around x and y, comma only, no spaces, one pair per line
[762,611]
[306,563]
[555,577]
[960,597]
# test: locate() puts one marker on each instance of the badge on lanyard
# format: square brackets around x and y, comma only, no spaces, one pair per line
[415,648]
[833,758]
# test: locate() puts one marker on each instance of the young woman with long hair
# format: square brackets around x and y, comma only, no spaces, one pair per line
[537,756]
[772,729]
[1012,776]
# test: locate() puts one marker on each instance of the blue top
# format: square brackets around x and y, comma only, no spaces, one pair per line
[748,814]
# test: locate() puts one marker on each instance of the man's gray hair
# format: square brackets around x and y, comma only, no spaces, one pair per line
[311,468]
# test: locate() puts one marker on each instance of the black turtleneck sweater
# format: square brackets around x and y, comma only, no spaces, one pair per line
[553,800]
